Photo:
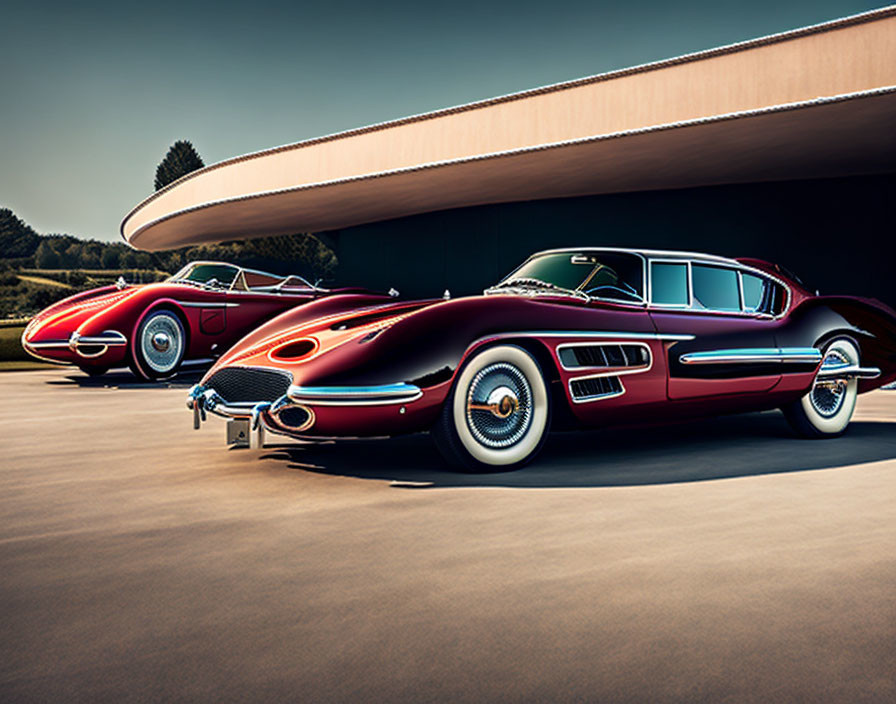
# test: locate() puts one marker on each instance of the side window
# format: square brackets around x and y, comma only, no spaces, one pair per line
[754,291]
[762,295]
[669,283]
[777,298]
[715,288]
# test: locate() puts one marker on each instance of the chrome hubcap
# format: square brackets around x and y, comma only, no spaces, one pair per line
[827,397]
[499,405]
[161,343]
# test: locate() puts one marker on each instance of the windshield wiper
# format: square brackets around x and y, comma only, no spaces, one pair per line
[526,282]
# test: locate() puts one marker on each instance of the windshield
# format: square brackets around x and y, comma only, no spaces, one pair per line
[614,275]
[210,274]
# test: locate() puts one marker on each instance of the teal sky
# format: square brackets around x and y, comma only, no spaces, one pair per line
[95,92]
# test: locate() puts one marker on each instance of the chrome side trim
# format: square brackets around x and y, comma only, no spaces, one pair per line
[48,344]
[847,371]
[618,370]
[109,338]
[602,335]
[76,341]
[190,304]
[794,355]
[354,395]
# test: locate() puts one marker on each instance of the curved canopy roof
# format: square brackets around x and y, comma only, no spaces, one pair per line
[814,102]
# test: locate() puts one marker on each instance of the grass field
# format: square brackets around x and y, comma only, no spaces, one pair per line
[10,344]
[44,281]
[12,356]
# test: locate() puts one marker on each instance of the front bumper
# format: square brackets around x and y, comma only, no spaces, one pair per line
[83,346]
[294,415]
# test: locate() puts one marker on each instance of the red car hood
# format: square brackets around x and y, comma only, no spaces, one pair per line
[64,317]
[326,324]
[296,339]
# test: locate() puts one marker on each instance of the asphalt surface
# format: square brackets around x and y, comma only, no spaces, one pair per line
[715,561]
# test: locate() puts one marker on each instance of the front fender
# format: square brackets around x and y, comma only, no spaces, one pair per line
[426,347]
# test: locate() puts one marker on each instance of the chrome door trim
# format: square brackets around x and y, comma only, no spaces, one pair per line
[788,355]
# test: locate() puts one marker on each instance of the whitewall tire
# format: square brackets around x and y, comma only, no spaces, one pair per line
[828,407]
[498,412]
[159,345]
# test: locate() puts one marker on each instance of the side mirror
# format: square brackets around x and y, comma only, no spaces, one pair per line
[120,283]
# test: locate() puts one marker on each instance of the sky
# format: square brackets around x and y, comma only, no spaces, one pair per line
[94,93]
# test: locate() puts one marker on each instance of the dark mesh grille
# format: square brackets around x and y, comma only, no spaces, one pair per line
[604,356]
[241,384]
[600,386]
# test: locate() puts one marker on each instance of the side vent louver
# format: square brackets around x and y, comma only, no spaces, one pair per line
[584,389]
[604,356]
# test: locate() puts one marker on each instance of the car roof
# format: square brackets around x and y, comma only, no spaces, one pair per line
[647,253]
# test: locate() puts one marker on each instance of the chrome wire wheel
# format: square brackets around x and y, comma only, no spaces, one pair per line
[160,344]
[827,408]
[499,405]
[498,412]
[828,397]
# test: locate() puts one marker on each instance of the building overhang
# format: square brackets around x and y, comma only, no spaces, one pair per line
[497,151]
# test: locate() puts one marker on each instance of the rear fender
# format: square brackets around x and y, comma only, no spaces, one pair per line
[870,324]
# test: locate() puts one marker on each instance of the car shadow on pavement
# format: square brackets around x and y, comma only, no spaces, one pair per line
[126,379]
[718,448]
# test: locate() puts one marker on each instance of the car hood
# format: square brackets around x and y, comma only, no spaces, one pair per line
[392,341]
[326,324]
[61,319]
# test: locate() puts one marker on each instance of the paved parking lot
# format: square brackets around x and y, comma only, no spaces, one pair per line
[715,561]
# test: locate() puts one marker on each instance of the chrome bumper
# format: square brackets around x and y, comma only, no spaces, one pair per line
[201,401]
[77,343]
[264,416]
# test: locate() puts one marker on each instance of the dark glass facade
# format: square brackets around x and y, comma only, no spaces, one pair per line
[838,235]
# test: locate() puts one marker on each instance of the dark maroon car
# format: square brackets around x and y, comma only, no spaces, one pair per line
[583,337]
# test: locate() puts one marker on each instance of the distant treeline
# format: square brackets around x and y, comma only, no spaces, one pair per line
[23,248]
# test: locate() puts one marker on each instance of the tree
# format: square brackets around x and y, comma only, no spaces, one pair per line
[111,257]
[16,238]
[181,159]
[46,257]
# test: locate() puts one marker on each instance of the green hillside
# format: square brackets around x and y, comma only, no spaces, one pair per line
[37,270]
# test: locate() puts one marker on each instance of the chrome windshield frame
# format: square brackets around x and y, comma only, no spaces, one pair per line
[276,288]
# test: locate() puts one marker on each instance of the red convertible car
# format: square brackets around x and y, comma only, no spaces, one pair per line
[571,338]
[197,313]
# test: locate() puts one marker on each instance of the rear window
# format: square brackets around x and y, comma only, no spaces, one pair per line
[763,295]
[715,288]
